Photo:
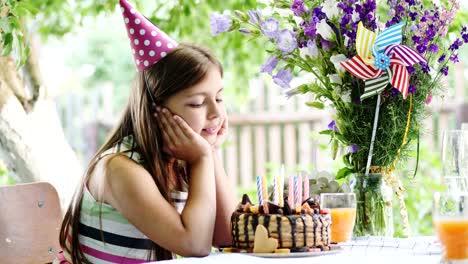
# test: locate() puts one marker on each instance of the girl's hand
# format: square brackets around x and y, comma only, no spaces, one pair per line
[222,134]
[179,139]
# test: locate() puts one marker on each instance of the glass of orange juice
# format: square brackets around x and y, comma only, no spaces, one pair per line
[450,216]
[343,214]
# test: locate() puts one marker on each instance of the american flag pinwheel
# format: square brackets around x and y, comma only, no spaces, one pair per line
[381,60]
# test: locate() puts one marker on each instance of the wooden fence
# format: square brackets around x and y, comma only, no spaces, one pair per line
[270,130]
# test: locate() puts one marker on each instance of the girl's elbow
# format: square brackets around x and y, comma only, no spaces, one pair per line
[196,248]
[203,252]
[197,251]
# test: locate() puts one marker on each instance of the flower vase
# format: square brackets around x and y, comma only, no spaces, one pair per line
[374,213]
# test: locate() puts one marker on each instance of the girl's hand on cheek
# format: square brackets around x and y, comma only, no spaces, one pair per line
[222,134]
[179,139]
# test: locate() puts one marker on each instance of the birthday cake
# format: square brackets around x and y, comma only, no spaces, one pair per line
[297,230]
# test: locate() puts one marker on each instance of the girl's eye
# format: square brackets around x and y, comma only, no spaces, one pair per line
[195,105]
[219,100]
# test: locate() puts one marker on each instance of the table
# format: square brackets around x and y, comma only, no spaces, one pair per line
[361,250]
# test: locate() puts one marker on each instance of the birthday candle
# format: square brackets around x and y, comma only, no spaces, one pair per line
[297,196]
[265,195]
[259,190]
[291,192]
[275,190]
[306,186]
[281,187]
[299,187]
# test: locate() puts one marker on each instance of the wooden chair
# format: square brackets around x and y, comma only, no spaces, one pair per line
[30,219]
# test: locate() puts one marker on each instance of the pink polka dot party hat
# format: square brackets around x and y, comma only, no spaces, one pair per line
[149,43]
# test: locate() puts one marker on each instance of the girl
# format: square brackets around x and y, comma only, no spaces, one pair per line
[157,186]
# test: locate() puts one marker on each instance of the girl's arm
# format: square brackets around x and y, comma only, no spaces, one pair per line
[132,191]
[225,204]
[225,197]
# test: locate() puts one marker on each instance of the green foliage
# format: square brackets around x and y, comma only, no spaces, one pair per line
[184,20]
[5,178]
[419,192]
[355,118]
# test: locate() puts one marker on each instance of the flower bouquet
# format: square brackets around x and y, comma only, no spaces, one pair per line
[375,66]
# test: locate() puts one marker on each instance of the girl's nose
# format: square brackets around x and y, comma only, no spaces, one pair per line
[214,110]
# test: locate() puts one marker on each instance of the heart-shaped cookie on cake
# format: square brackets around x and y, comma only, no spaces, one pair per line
[263,243]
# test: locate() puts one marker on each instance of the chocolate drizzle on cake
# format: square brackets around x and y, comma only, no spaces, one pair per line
[303,218]
[293,229]
[247,217]
[266,223]
[246,228]
[278,222]
[254,222]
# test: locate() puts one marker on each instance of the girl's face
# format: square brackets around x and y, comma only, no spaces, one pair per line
[201,105]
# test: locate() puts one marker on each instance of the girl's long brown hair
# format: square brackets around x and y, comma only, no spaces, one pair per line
[184,67]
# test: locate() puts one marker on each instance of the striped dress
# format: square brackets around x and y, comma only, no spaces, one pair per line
[124,243]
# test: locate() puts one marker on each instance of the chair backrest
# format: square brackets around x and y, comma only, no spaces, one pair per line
[30,219]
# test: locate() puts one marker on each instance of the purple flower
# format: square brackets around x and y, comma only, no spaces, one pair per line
[395,92]
[283,77]
[416,39]
[332,126]
[424,67]
[298,7]
[441,58]
[421,48]
[254,16]
[326,45]
[444,70]
[353,148]
[456,45]
[412,89]
[286,40]
[430,32]
[311,30]
[270,28]
[413,15]
[219,23]
[454,58]
[269,65]
[318,13]
[433,48]
[410,69]
[464,34]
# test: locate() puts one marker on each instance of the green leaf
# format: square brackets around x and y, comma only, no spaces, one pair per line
[7,44]
[343,173]
[334,148]
[326,132]
[317,105]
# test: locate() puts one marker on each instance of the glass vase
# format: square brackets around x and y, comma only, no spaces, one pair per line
[374,213]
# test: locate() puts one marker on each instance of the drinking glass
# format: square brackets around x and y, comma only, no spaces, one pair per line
[455,160]
[450,218]
[343,214]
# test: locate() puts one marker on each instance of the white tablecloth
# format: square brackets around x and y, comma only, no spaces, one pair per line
[361,250]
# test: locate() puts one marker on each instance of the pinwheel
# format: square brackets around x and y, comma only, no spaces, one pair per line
[382,60]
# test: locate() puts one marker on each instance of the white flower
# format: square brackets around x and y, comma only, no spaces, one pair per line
[355,16]
[325,30]
[298,20]
[336,60]
[283,12]
[335,78]
[311,50]
[330,8]
[346,97]
[346,40]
